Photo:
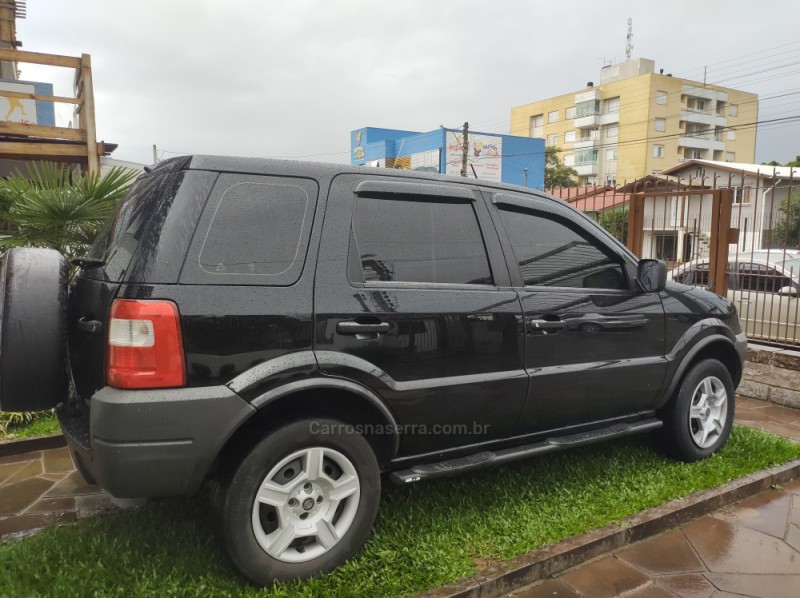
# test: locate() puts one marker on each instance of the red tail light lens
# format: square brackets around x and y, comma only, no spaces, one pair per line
[145,349]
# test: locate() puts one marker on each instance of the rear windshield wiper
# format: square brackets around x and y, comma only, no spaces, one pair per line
[87,262]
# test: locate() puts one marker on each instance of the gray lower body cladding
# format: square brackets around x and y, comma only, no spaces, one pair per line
[147,443]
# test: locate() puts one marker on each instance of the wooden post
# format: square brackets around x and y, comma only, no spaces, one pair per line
[636,223]
[721,208]
[87,121]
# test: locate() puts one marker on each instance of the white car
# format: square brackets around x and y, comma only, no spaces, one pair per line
[765,287]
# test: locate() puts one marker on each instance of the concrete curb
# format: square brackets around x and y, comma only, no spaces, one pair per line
[551,560]
[27,445]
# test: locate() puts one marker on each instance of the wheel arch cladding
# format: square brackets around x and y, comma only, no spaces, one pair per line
[714,347]
[319,401]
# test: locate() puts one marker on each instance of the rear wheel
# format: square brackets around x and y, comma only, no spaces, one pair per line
[300,503]
[699,418]
[33,336]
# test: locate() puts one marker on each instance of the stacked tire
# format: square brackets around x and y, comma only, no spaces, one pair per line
[33,329]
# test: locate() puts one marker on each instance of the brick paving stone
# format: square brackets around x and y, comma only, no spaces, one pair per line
[767,512]
[726,547]
[73,485]
[687,586]
[549,589]
[758,585]
[52,505]
[18,458]
[667,553]
[10,526]
[6,471]
[57,461]
[605,578]
[14,498]
[29,470]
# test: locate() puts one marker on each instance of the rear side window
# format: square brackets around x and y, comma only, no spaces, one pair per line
[119,239]
[417,239]
[254,230]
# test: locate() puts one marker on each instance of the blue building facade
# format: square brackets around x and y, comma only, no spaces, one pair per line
[501,158]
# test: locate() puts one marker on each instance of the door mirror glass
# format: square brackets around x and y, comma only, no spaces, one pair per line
[789,290]
[652,275]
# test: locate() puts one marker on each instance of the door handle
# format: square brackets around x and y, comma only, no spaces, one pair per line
[546,326]
[90,326]
[350,327]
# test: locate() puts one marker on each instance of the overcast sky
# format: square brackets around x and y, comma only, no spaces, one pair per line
[293,78]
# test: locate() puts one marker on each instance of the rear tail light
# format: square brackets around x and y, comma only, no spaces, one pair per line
[145,349]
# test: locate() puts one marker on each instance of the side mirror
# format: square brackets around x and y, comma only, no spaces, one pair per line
[652,276]
[789,290]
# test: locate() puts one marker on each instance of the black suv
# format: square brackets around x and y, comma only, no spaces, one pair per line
[289,331]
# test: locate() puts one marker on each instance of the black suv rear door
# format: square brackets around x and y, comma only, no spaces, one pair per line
[412,299]
[594,345]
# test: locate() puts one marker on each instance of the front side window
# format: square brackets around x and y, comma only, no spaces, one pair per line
[658,151]
[661,124]
[408,238]
[661,98]
[553,252]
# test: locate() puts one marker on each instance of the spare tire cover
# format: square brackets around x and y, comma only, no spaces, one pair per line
[33,334]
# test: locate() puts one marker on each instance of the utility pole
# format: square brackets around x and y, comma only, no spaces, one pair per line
[465,150]
[155,155]
[525,172]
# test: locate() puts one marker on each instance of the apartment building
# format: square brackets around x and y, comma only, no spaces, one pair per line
[638,122]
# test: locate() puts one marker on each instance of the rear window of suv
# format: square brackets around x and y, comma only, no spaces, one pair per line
[120,237]
[254,230]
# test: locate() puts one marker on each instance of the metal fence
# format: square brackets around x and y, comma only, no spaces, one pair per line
[736,232]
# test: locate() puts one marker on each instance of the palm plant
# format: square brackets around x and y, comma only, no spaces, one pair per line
[50,206]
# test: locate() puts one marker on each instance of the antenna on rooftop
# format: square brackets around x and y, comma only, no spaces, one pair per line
[629,45]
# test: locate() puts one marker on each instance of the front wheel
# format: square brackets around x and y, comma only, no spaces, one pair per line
[301,503]
[699,418]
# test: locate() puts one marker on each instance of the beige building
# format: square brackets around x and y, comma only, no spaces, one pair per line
[639,122]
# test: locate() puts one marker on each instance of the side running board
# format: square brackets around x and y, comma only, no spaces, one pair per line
[459,465]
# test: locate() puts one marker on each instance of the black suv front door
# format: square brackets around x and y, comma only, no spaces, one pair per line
[412,299]
[594,345]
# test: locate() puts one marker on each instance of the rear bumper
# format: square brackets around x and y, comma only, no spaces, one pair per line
[148,443]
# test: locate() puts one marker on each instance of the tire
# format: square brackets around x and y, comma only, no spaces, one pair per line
[699,417]
[280,518]
[33,332]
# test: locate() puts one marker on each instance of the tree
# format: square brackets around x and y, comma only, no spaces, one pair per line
[616,222]
[786,233]
[50,206]
[795,163]
[555,173]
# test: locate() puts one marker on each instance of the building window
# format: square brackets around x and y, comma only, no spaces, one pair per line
[731,135]
[570,112]
[733,110]
[666,247]
[661,98]
[588,108]
[611,180]
[537,125]
[697,154]
[612,105]
[730,157]
[721,108]
[741,194]
[552,117]
[612,131]
[611,154]
[569,137]
[655,172]
[552,139]
[586,157]
[700,105]
[658,151]
[661,124]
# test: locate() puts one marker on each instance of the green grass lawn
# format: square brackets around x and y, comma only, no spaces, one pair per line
[43,425]
[426,534]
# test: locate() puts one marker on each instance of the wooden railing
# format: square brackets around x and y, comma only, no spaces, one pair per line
[31,141]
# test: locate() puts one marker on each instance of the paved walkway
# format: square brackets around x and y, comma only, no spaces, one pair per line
[751,548]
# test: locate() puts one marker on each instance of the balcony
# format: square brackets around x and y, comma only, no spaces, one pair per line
[706,141]
[703,117]
[585,168]
[587,120]
[586,143]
